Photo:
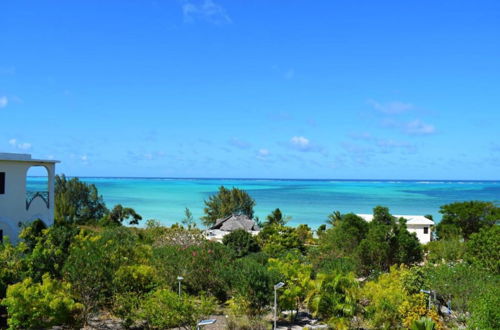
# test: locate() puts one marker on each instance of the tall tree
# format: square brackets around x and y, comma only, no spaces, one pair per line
[227,202]
[466,218]
[76,201]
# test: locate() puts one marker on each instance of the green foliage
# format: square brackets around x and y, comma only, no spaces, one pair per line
[387,243]
[50,251]
[30,233]
[119,214]
[276,240]
[188,219]
[137,279]
[12,265]
[205,268]
[485,313]
[77,202]
[445,250]
[225,203]
[276,218]
[424,323]
[163,309]
[466,218]
[483,249]
[95,258]
[334,218]
[459,283]
[40,305]
[241,242]
[344,237]
[252,284]
[333,297]
[297,277]
[384,297]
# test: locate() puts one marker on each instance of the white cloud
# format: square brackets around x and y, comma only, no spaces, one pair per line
[3,101]
[207,11]
[300,142]
[418,127]
[391,108]
[20,145]
[263,154]
[303,144]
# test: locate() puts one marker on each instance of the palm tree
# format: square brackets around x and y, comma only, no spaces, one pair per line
[334,218]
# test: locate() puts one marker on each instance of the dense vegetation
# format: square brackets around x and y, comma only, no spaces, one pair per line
[351,274]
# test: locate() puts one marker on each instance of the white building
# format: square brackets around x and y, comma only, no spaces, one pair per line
[415,223]
[18,204]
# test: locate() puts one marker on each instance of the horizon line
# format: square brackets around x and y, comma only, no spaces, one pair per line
[269,179]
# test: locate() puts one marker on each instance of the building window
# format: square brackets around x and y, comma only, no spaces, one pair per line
[426,230]
[2,183]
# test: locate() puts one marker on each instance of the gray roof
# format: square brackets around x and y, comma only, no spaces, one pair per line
[234,222]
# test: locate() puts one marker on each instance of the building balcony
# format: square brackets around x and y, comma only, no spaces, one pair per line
[31,195]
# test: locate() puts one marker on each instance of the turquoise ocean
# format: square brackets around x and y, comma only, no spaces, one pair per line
[306,201]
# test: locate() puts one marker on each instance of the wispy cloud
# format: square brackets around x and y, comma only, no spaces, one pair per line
[391,108]
[207,11]
[418,127]
[303,144]
[263,154]
[387,146]
[145,156]
[238,143]
[3,101]
[20,145]
[413,127]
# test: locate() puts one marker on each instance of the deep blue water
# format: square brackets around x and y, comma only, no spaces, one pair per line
[306,201]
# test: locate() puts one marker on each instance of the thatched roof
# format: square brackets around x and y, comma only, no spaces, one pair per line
[234,222]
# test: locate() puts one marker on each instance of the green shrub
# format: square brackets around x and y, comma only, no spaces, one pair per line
[483,249]
[40,305]
[484,308]
[163,309]
[241,242]
[137,279]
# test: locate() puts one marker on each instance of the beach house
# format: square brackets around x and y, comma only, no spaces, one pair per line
[417,224]
[20,203]
[229,224]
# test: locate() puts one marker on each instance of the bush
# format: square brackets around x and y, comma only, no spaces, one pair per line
[136,279]
[163,309]
[445,250]
[483,249]
[95,258]
[40,305]
[484,308]
[241,242]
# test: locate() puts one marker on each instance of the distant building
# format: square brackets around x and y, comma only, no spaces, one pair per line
[415,223]
[231,223]
[18,204]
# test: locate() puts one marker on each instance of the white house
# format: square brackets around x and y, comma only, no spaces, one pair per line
[415,223]
[18,204]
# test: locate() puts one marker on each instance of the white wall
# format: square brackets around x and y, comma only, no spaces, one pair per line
[13,202]
[419,230]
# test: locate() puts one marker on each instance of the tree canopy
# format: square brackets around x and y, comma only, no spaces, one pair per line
[77,201]
[225,203]
[466,218]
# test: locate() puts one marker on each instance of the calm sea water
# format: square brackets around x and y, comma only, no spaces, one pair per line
[306,201]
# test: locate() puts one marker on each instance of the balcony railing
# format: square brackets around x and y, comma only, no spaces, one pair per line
[31,195]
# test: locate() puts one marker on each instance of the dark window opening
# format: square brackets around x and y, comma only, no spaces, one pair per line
[2,183]
[426,230]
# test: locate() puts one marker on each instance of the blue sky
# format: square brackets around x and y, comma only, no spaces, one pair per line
[268,89]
